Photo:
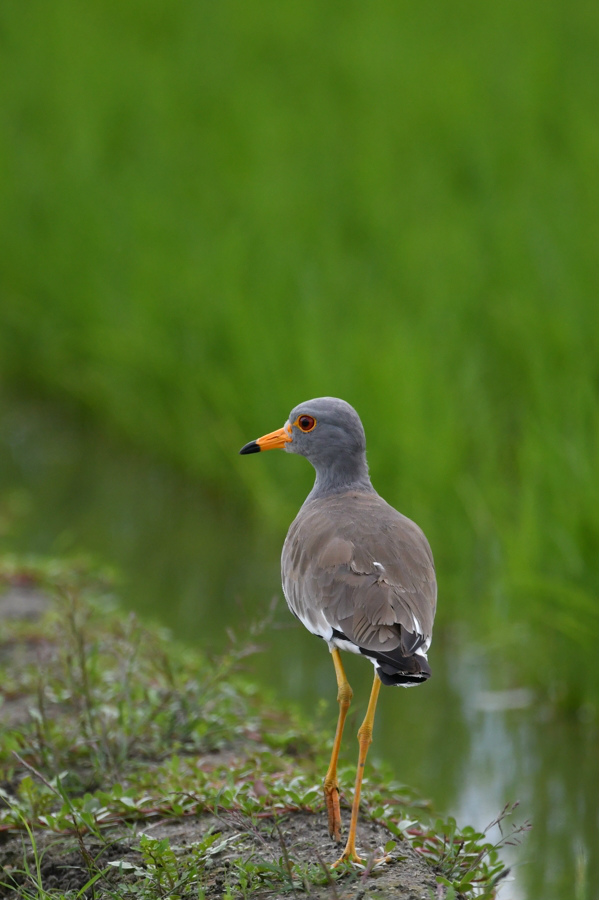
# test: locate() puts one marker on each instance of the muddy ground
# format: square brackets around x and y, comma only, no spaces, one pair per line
[300,835]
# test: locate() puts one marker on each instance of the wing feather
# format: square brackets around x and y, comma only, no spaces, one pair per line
[354,564]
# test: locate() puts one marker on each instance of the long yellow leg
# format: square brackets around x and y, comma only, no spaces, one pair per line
[365,740]
[331,785]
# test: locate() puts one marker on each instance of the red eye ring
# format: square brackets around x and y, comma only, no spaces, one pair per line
[305,423]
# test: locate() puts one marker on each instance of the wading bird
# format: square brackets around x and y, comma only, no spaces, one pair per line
[355,572]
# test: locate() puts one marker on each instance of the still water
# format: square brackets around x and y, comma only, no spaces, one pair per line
[203,569]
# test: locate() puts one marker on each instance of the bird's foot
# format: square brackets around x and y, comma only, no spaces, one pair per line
[331,798]
[348,857]
[353,858]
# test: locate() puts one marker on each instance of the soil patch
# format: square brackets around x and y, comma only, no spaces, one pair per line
[301,837]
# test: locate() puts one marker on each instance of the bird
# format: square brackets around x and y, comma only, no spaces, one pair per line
[356,572]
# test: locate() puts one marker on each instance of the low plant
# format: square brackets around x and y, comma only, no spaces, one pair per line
[468,862]
[121,729]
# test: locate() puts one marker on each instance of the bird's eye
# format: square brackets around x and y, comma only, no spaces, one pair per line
[306,423]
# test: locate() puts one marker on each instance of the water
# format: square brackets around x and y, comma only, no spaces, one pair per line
[203,568]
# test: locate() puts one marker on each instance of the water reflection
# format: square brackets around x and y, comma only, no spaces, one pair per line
[200,566]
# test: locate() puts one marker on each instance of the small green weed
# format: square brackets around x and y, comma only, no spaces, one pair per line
[469,863]
[173,872]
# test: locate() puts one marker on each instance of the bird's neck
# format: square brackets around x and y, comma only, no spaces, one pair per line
[341,474]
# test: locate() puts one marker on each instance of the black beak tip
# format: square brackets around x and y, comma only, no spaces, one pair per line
[252,447]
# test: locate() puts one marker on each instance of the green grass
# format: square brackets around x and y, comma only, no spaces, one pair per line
[213,212]
[122,728]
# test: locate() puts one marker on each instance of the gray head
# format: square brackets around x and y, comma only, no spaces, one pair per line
[329,433]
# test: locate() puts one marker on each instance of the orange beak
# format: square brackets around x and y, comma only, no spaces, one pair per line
[273,441]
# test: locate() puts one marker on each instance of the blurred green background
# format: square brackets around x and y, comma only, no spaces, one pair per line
[212,211]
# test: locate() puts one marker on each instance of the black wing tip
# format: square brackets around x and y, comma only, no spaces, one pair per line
[395,668]
[252,447]
[389,676]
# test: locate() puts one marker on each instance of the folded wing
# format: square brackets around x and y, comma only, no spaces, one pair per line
[355,570]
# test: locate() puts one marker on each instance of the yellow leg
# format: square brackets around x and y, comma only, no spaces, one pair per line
[365,740]
[331,785]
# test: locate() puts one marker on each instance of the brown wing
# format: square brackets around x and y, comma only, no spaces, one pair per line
[354,564]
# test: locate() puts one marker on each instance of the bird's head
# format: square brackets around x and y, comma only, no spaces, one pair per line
[325,430]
